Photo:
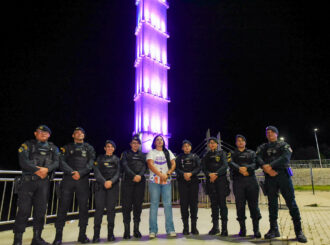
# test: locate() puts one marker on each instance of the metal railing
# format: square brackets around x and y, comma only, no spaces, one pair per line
[310,163]
[8,203]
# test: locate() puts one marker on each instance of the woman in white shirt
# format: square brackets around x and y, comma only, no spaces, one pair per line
[161,163]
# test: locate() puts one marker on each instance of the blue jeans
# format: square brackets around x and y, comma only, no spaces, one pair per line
[155,191]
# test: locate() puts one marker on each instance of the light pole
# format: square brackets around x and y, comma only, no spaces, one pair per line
[317,146]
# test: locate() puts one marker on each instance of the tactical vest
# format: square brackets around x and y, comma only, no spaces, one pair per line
[213,161]
[108,166]
[242,159]
[42,155]
[272,151]
[135,161]
[77,157]
[188,163]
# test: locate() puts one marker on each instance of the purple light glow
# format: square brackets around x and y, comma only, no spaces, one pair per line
[151,98]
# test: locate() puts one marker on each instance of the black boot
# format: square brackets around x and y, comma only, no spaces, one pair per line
[82,235]
[37,240]
[18,238]
[215,229]
[111,237]
[256,231]
[96,237]
[185,231]
[58,237]
[224,231]
[242,231]
[127,231]
[137,233]
[299,233]
[273,231]
[194,230]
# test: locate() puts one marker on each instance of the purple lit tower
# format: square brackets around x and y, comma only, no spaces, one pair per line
[151,99]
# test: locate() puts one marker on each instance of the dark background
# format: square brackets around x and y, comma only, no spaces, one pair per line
[236,67]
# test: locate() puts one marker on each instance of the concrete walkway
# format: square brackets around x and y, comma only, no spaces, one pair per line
[316,225]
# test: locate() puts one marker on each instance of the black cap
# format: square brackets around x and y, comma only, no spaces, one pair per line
[137,138]
[241,136]
[44,128]
[272,128]
[111,142]
[186,142]
[79,128]
[214,139]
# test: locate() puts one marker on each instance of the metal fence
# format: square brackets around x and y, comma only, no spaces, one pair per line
[310,163]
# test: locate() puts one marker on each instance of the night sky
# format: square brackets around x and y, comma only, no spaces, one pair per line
[236,67]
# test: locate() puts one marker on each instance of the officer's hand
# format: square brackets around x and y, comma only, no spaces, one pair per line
[267,168]
[213,177]
[137,178]
[245,174]
[76,175]
[272,173]
[39,173]
[187,176]
[243,170]
[108,184]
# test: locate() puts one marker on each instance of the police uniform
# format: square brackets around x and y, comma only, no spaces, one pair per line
[106,168]
[277,154]
[133,163]
[34,191]
[216,162]
[75,157]
[246,188]
[188,190]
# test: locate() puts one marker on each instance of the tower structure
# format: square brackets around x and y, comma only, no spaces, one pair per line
[151,93]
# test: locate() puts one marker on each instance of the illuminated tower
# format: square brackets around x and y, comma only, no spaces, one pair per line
[151,99]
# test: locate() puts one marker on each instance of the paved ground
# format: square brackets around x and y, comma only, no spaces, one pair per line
[316,223]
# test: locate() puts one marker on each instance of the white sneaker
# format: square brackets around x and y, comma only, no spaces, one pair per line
[152,235]
[172,234]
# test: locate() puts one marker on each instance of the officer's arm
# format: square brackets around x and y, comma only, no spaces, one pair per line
[97,173]
[63,164]
[144,168]
[231,163]
[223,169]
[115,178]
[253,165]
[178,169]
[197,169]
[89,166]
[259,160]
[124,163]
[24,161]
[55,160]
[284,158]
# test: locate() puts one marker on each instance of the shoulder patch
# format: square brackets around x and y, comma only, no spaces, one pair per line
[25,146]
[95,163]
[62,149]
[288,147]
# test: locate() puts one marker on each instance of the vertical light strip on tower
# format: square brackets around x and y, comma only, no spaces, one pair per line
[151,98]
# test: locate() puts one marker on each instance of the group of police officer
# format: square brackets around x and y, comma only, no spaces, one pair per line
[39,158]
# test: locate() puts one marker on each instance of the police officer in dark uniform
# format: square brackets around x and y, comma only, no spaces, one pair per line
[133,185]
[274,158]
[188,166]
[76,161]
[37,158]
[214,166]
[242,163]
[107,172]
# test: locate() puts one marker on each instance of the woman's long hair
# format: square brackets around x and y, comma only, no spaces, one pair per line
[153,146]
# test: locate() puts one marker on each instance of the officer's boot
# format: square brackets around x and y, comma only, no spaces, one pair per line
[242,231]
[111,236]
[18,238]
[58,237]
[224,231]
[37,240]
[215,229]
[136,231]
[127,231]
[299,233]
[82,235]
[96,237]
[194,230]
[273,231]
[256,231]
[185,231]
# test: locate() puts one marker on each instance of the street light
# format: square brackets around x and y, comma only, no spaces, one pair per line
[282,138]
[317,145]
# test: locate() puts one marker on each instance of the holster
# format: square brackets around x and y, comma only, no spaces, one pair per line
[17,184]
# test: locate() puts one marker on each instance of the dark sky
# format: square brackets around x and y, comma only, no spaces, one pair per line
[236,67]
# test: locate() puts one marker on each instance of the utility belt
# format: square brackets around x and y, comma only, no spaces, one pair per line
[19,180]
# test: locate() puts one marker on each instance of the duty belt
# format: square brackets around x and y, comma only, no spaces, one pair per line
[32,177]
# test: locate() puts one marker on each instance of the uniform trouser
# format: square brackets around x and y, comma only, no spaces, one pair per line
[106,198]
[68,187]
[132,198]
[246,189]
[188,191]
[282,182]
[32,193]
[218,191]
